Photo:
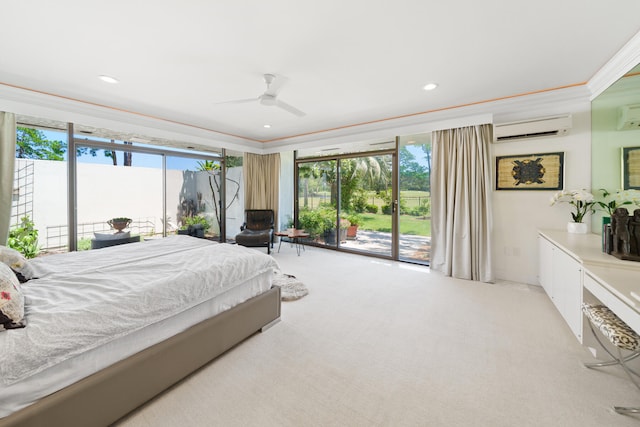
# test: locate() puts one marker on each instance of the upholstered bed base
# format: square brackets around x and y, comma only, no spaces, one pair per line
[108,395]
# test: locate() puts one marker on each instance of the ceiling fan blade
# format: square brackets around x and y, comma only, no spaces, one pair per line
[238,101]
[290,108]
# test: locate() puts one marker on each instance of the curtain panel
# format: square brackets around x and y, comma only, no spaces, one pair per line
[7,167]
[262,182]
[461,203]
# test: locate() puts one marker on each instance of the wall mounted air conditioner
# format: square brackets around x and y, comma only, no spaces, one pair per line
[629,117]
[534,128]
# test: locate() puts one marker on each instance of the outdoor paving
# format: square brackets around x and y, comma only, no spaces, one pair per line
[413,247]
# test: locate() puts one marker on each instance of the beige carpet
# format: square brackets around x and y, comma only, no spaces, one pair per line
[377,343]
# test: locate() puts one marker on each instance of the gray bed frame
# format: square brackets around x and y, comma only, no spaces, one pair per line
[113,392]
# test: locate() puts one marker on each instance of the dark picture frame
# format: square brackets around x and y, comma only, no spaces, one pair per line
[631,168]
[541,171]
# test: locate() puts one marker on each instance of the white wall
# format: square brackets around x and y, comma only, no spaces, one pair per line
[518,214]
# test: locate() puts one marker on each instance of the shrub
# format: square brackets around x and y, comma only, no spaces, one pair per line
[370,208]
[24,238]
[359,202]
[193,220]
[84,244]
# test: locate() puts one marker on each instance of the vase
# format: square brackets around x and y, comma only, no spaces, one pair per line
[577,227]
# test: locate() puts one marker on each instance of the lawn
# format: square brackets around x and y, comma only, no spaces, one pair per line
[413,225]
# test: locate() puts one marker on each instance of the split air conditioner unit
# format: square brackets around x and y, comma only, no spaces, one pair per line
[629,117]
[534,128]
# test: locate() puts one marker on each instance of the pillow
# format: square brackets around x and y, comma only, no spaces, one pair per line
[17,262]
[11,301]
[112,236]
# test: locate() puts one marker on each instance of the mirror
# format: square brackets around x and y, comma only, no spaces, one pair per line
[614,126]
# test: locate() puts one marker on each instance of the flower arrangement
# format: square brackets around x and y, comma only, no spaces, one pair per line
[581,200]
[620,198]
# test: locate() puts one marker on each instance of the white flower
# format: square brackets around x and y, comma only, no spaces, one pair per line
[581,200]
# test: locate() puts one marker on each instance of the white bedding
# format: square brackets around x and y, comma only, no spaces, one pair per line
[124,297]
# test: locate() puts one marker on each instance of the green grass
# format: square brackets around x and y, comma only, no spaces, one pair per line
[413,225]
[411,199]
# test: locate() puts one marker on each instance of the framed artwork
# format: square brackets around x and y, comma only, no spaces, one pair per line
[631,168]
[530,172]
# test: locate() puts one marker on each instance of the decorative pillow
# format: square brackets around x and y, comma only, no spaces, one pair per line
[17,262]
[11,301]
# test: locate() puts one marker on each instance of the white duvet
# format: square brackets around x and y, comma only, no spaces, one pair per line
[82,300]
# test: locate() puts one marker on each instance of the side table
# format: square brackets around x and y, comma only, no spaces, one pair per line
[293,235]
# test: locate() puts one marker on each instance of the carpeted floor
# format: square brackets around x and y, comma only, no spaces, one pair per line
[378,343]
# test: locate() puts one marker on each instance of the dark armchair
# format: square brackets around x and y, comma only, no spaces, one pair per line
[257,229]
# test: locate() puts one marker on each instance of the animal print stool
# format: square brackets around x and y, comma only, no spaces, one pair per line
[621,336]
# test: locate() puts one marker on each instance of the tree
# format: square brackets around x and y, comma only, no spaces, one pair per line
[213,170]
[33,144]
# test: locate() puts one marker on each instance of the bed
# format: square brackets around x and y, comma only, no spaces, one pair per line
[109,329]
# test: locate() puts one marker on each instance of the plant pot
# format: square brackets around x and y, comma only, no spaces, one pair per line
[118,224]
[330,237]
[352,231]
[577,227]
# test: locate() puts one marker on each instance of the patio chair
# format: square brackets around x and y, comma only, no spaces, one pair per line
[257,229]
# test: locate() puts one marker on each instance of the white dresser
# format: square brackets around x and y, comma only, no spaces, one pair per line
[573,269]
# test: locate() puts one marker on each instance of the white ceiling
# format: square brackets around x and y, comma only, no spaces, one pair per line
[343,62]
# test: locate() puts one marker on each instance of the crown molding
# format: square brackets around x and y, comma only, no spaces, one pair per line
[623,61]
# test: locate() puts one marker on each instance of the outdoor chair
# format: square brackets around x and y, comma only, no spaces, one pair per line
[257,229]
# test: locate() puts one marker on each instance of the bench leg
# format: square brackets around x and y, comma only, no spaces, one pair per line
[622,361]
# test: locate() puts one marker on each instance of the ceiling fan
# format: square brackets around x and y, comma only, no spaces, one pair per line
[270,98]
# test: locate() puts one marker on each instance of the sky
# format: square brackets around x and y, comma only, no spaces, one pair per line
[137,159]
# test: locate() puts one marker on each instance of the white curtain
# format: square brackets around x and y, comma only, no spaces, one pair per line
[461,203]
[261,182]
[7,162]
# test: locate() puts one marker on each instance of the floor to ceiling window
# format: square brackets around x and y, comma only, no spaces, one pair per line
[159,186]
[117,184]
[414,153]
[39,198]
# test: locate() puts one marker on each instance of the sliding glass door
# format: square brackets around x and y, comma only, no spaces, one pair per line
[376,203]
[366,204]
[318,201]
[347,202]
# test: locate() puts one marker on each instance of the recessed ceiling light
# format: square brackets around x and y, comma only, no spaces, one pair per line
[108,79]
[267,126]
[430,86]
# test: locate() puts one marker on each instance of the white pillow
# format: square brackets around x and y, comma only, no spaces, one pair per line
[112,236]
[11,300]
[16,261]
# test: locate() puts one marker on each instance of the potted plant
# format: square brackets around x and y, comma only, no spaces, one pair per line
[196,226]
[354,221]
[582,202]
[119,223]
